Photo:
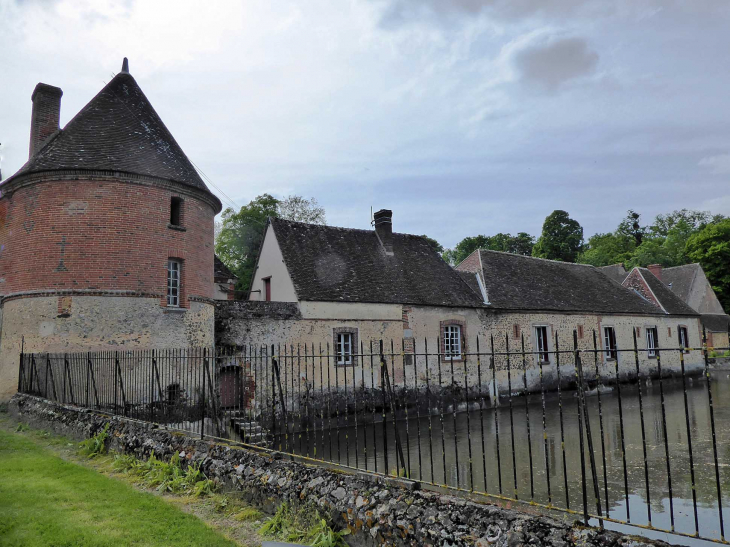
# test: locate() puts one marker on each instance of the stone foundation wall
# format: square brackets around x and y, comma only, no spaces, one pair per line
[378,510]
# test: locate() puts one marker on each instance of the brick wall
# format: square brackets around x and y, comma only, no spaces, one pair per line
[102,236]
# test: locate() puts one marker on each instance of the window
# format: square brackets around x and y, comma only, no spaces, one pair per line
[652,337]
[173,283]
[174,393]
[344,348]
[609,343]
[515,331]
[541,335]
[580,332]
[683,338]
[176,211]
[267,289]
[452,342]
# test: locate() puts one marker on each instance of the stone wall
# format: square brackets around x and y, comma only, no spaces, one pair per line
[57,324]
[378,510]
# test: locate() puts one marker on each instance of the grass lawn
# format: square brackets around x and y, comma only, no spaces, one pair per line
[48,501]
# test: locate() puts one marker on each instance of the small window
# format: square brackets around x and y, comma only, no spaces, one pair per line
[580,332]
[267,289]
[174,393]
[176,211]
[652,338]
[515,330]
[683,338]
[343,344]
[452,342]
[173,283]
[609,343]
[541,336]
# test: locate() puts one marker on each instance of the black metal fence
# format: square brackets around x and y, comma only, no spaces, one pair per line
[621,436]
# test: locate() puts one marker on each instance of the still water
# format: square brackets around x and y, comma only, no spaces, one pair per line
[436,449]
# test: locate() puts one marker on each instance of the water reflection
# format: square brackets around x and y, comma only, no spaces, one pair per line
[437,449]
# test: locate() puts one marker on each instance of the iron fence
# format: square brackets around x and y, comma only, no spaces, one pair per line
[621,436]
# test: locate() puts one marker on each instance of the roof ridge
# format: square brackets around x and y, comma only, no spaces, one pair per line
[536,258]
[328,226]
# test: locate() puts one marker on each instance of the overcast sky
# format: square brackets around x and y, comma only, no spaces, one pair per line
[463,116]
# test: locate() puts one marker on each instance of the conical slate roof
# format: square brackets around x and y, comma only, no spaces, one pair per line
[118,130]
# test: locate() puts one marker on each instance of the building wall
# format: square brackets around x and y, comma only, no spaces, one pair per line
[271,264]
[702,298]
[94,323]
[102,235]
[411,345]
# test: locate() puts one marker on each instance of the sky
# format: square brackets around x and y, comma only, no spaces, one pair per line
[464,117]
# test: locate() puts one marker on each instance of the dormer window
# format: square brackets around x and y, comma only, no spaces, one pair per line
[176,211]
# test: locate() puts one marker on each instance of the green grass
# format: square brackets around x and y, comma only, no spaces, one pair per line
[45,500]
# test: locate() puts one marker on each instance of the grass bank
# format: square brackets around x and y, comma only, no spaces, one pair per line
[49,495]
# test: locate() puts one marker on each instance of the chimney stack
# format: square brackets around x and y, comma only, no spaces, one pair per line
[45,118]
[656,269]
[384,229]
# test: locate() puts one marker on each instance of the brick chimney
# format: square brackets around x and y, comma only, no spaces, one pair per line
[44,120]
[384,229]
[656,269]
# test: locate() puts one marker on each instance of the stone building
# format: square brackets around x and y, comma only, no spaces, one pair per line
[106,234]
[321,290]
[690,284]
[224,281]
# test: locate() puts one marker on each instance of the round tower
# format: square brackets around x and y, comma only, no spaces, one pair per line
[106,234]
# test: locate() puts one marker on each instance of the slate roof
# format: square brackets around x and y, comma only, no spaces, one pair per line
[220,270]
[517,282]
[118,130]
[670,301]
[615,272]
[346,265]
[680,278]
[715,322]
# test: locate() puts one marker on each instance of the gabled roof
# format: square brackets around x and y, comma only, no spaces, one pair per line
[690,284]
[221,271]
[518,282]
[617,272]
[346,265]
[118,130]
[669,301]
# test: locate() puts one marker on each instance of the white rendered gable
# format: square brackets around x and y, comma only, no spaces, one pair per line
[271,264]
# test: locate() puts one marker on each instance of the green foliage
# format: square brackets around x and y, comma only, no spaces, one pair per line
[248,514]
[561,239]
[711,248]
[22,428]
[166,476]
[96,445]
[304,524]
[49,501]
[437,247]
[239,236]
[607,249]
[521,244]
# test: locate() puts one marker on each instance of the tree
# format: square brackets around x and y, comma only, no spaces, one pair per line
[711,248]
[240,236]
[696,220]
[607,249]
[520,244]
[631,227]
[302,210]
[561,239]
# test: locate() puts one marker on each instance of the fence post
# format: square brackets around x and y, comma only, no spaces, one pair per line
[202,423]
[385,421]
[580,431]
[589,436]
[88,371]
[714,437]
[21,368]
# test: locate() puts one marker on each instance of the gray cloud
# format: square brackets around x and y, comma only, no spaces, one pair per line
[553,62]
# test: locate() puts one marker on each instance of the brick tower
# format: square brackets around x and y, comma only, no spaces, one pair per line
[106,234]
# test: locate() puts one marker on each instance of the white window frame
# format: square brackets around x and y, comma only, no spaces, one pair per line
[683,338]
[452,342]
[343,348]
[610,350]
[652,341]
[542,344]
[174,282]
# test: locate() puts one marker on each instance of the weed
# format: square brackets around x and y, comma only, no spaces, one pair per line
[21,428]
[401,473]
[167,476]
[123,462]
[304,524]
[248,514]
[220,504]
[96,445]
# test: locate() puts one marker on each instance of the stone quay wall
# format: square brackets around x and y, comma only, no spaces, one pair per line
[378,510]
